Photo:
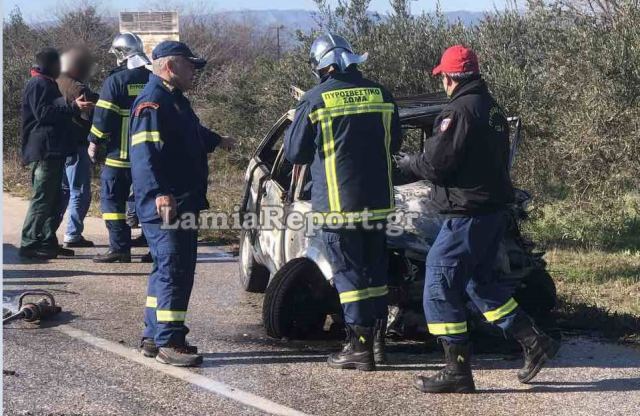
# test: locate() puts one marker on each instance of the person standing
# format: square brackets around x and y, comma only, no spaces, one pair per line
[76,180]
[110,132]
[466,160]
[170,172]
[348,127]
[46,118]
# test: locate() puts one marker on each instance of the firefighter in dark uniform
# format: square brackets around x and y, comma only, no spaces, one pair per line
[347,127]
[109,133]
[169,167]
[466,160]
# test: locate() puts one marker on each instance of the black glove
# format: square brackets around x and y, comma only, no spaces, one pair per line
[403,162]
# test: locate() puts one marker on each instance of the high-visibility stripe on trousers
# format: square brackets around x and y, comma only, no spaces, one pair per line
[114,191]
[461,261]
[174,253]
[359,263]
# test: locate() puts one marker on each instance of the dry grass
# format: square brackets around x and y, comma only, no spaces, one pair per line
[607,280]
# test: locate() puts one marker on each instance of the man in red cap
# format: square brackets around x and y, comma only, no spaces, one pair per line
[467,161]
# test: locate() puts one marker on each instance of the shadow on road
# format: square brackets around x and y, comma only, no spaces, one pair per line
[36,273]
[263,357]
[614,384]
[10,256]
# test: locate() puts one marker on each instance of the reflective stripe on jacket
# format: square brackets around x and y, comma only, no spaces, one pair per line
[111,115]
[347,128]
[169,150]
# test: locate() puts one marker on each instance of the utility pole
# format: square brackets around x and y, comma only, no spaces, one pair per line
[278,28]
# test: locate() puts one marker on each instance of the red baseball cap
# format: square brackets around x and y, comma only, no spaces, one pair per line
[457,59]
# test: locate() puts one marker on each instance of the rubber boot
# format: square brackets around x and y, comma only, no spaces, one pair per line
[537,347]
[357,351]
[112,257]
[379,335]
[455,377]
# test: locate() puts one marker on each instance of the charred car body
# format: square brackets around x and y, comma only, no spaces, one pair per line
[292,270]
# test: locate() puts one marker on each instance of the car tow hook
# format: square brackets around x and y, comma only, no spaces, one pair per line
[34,312]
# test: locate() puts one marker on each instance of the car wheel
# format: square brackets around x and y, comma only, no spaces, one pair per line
[254,277]
[537,295]
[297,301]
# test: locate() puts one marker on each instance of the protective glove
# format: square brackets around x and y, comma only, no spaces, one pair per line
[403,162]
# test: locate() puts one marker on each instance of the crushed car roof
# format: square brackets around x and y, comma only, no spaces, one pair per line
[420,110]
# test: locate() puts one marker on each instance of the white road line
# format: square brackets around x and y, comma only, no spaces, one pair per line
[206,383]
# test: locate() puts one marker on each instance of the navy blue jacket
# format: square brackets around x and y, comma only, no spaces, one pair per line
[46,118]
[347,127]
[111,116]
[467,158]
[169,150]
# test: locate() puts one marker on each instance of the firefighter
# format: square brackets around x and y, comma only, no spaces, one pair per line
[169,167]
[466,160]
[109,133]
[347,127]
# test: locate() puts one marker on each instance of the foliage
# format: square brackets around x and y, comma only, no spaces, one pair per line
[569,68]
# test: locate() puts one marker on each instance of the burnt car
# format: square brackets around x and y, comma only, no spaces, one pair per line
[290,267]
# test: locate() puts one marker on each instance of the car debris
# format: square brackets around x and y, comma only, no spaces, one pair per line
[290,267]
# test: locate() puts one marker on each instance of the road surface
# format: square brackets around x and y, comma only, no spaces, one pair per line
[85,363]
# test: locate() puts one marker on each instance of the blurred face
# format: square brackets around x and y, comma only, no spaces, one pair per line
[183,73]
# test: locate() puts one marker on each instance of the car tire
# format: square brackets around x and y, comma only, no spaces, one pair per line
[297,301]
[537,295]
[254,277]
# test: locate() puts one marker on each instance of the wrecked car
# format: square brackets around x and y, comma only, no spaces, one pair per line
[291,267]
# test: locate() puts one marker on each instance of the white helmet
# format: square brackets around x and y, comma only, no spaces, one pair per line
[128,47]
[330,49]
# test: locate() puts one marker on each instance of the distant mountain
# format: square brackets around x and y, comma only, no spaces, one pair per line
[307,19]
[293,19]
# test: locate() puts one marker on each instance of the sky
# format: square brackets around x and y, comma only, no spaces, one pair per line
[36,10]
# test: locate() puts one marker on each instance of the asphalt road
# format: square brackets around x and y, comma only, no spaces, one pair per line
[85,363]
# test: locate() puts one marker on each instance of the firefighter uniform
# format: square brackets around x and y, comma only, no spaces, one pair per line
[467,161]
[110,127]
[169,150]
[347,127]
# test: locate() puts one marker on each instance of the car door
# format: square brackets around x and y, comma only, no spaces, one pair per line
[261,193]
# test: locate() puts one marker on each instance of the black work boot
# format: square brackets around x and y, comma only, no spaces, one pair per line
[179,356]
[79,243]
[379,335]
[140,241]
[148,348]
[357,351]
[37,253]
[67,252]
[537,347]
[112,257]
[455,377]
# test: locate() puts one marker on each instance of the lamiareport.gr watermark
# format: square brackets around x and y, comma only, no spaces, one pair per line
[273,218]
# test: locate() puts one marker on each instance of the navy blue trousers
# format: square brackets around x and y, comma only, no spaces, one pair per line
[360,265]
[114,191]
[461,261]
[174,253]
